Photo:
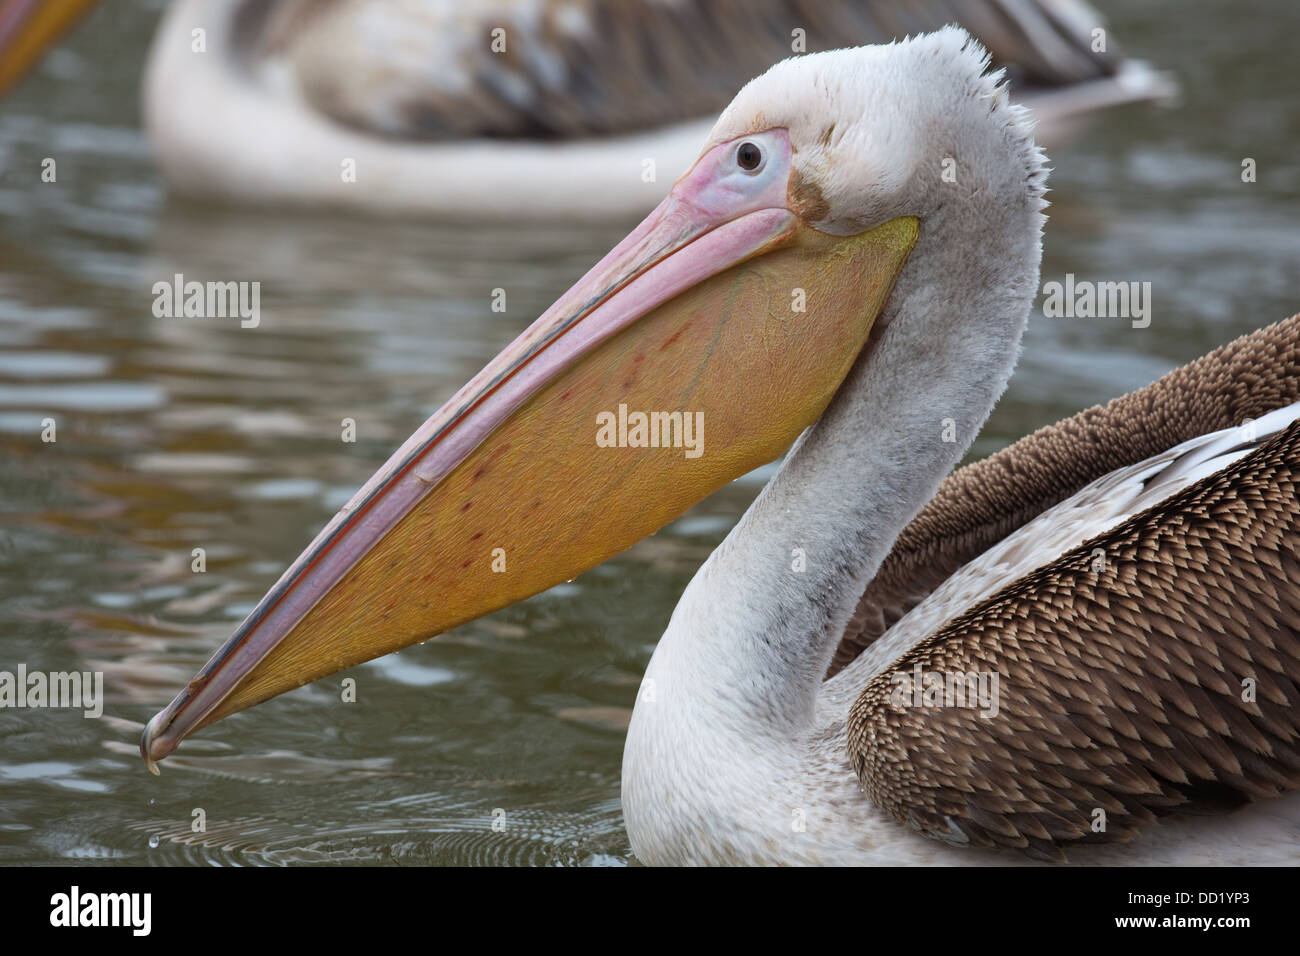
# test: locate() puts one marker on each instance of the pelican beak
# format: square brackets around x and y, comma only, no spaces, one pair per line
[28,28]
[723,318]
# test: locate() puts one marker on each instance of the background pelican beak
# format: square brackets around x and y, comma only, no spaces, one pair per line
[28,28]
[728,324]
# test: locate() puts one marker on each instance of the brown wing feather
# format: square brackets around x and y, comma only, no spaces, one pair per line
[1120,689]
[982,503]
[575,68]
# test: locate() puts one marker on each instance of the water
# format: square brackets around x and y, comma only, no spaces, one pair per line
[174,435]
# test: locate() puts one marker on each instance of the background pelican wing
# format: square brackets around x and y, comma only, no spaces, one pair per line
[979,505]
[575,68]
[1159,679]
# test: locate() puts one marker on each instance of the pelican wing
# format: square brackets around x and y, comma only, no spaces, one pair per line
[981,504]
[1153,669]
[418,69]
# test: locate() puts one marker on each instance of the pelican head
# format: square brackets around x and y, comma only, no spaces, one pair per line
[736,310]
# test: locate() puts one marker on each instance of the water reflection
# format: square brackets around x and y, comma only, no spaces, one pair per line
[177,434]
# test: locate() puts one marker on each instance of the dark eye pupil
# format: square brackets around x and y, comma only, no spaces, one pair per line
[749,156]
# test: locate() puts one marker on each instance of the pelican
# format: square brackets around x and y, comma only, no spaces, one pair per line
[424,107]
[1129,576]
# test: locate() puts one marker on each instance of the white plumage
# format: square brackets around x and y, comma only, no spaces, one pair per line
[738,750]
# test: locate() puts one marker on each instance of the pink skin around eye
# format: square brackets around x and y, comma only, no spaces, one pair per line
[720,190]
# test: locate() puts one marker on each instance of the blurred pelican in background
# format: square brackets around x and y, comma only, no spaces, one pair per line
[441,108]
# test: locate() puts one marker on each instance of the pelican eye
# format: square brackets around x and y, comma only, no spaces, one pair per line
[749,156]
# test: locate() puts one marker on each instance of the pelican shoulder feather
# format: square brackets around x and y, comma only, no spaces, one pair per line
[1159,679]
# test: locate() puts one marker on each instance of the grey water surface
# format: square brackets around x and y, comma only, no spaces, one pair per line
[176,434]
